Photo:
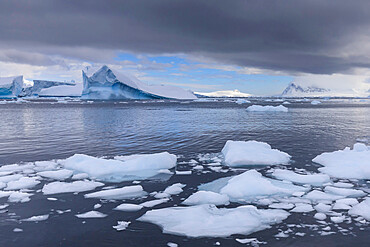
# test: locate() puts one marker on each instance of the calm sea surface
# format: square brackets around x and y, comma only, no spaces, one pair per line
[44,131]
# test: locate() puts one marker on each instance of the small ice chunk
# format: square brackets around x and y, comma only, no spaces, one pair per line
[45,165]
[37,218]
[267,108]
[344,191]
[152,203]
[183,172]
[312,179]
[22,183]
[4,206]
[64,187]
[119,193]
[17,196]
[14,177]
[317,195]
[281,235]
[207,197]
[240,153]
[198,167]
[52,199]
[17,230]
[253,241]
[170,244]
[320,216]
[62,174]
[91,214]
[361,209]
[98,205]
[321,207]
[210,221]
[80,176]
[121,225]
[302,208]
[128,207]
[282,205]
[174,189]
[343,185]
[347,201]
[338,219]
[315,102]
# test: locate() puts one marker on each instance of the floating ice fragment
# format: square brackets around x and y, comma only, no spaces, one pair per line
[267,108]
[312,179]
[344,192]
[302,208]
[17,196]
[62,174]
[361,209]
[121,225]
[152,203]
[207,197]
[119,193]
[91,214]
[209,221]
[240,153]
[320,216]
[64,187]
[128,207]
[22,183]
[37,218]
[17,230]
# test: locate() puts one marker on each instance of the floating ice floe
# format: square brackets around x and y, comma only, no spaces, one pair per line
[128,207]
[64,187]
[121,225]
[91,214]
[344,191]
[17,196]
[267,108]
[240,153]
[209,221]
[152,203]
[174,189]
[242,101]
[361,209]
[134,167]
[315,102]
[206,197]
[251,185]
[347,163]
[311,179]
[119,193]
[62,174]
[37,218]
[22,183]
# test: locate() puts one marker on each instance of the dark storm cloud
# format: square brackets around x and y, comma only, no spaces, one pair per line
[290,35]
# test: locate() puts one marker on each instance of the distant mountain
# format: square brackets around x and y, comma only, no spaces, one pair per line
[295,90]
[227,93]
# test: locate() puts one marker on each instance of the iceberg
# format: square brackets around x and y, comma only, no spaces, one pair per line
[267,108]
[110,84]
[10,87]
[210,221]
[39,88]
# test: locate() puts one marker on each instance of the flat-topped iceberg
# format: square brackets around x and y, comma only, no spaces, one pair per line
[346,163]
[135,167]
[267,108]
[10,87]
[240,153]
[251,185]
[109,84]
[210,221]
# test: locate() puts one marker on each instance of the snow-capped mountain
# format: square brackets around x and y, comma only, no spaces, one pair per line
[226,93]
[295,90]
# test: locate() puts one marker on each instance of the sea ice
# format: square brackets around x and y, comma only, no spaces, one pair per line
[128,207]
[22,183]
[119,193]
[302,208]
[64,187]
[251,185]
[121,225]
[152,203]
[209,221]
[17,196]
[318,196]
[91,214]
[62,174]
[320,216]
[240,153]
[344,191]
[312,179]
[206,197]
[267,108]
[347,163]
[37,218]
[111,170]
[361,209]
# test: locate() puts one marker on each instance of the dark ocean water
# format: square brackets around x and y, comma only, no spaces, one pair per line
[44,131]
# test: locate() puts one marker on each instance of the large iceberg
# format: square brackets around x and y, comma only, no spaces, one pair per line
[10,87]
[39,86]
[109,84]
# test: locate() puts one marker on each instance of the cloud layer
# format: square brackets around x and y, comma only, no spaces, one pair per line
[293,36]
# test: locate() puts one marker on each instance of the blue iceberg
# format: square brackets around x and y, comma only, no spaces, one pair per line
[11,87]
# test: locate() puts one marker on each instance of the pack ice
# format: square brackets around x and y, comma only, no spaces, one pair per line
[135,167]
[107,83]
[240,153]
[346,163]
[10,87]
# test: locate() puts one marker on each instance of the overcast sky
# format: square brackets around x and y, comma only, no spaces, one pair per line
[256,46]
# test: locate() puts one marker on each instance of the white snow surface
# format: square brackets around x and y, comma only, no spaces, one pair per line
[241,153]
[210,221]
[267,108]
[111,170]
[347,163]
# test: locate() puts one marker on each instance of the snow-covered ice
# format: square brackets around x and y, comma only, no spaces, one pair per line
[210,221]
[129,207]
[240,153]
[267,108]
[312,179]
[347,163]
[91,214]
